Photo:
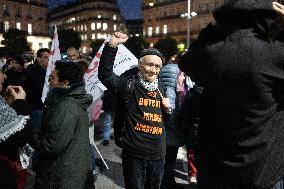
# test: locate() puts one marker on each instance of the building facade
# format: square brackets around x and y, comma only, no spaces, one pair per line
[92,19]
[134,27]
[26,15]
[169,18]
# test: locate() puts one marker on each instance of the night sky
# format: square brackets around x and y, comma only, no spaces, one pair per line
[130,9]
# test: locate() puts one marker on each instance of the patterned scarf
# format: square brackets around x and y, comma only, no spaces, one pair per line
[149,86]
[10,121]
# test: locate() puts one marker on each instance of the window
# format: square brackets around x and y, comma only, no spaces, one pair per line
[114,17]
[114,27]
[6,10]
[19,12]
[93,26]
[6,25]
[104,26]
[30,28]
[99,16]
[82,27]
[93,36]
[85,26]
[150,31]
[40,45]
[165,30]
[99,25]
[84,50]
[18,25]
[29,14]
[157,31]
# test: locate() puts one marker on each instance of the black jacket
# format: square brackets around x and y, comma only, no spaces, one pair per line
[144,132]
[241,131]
[34,82]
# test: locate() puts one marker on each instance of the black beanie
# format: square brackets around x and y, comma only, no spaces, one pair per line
[151,51]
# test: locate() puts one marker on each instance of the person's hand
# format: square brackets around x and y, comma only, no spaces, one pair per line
[166,104]
[279,8]
[17,92]
[117,38]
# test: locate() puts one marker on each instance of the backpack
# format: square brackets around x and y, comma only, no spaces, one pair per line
[119,123]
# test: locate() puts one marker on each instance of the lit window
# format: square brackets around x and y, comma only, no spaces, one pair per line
[86,36]
[85,26]
[93,36]
[165,30]
[114,27]
[150,31]
[6,25]
[84,50]
[82,27]
[93,26]
[114,17]
[99,16]
[99,25]
[73,19]
[157,31]
[30,28]
[137,35]
[74,28]
[104,26]
[18,25]
[99,36]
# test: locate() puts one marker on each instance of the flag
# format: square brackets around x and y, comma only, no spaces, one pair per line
[53,57]
[124,60]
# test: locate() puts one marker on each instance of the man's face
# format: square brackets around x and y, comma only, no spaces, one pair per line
[43,60]
[72,55]
[150,67]
[1,81]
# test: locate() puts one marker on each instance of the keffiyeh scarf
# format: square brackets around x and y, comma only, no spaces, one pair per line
[149,86]
[10,121]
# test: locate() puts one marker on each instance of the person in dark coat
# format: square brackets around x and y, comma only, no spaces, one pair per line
[34,82]
[241,69]
[15,132]
[143,139]
[109,107]
[63,145]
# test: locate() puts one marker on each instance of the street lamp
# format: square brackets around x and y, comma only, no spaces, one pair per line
[188,16]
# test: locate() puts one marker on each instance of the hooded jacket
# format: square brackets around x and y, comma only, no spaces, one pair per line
[63,144]
[241,67]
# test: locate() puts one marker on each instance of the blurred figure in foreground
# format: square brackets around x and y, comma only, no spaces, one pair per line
[241,68]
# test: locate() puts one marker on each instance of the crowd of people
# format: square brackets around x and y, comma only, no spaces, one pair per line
[223,99]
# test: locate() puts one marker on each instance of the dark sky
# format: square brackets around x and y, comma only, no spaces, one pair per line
[130,9]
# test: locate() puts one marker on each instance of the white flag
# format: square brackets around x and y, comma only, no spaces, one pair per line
[124,60]
[54,56]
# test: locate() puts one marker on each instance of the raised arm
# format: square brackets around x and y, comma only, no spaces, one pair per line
[105,70]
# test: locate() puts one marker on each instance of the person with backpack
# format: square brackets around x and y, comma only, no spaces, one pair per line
[145,108]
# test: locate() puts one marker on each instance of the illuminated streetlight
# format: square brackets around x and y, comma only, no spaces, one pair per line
[188,16]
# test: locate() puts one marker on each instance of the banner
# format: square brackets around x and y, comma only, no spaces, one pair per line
[53,57]
[124,60]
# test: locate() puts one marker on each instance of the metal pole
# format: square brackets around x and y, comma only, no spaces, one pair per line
[188,24]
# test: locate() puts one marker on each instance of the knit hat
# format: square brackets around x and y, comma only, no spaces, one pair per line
[151,51]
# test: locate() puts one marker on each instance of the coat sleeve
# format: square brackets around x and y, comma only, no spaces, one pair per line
[58,130]
[115,83]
